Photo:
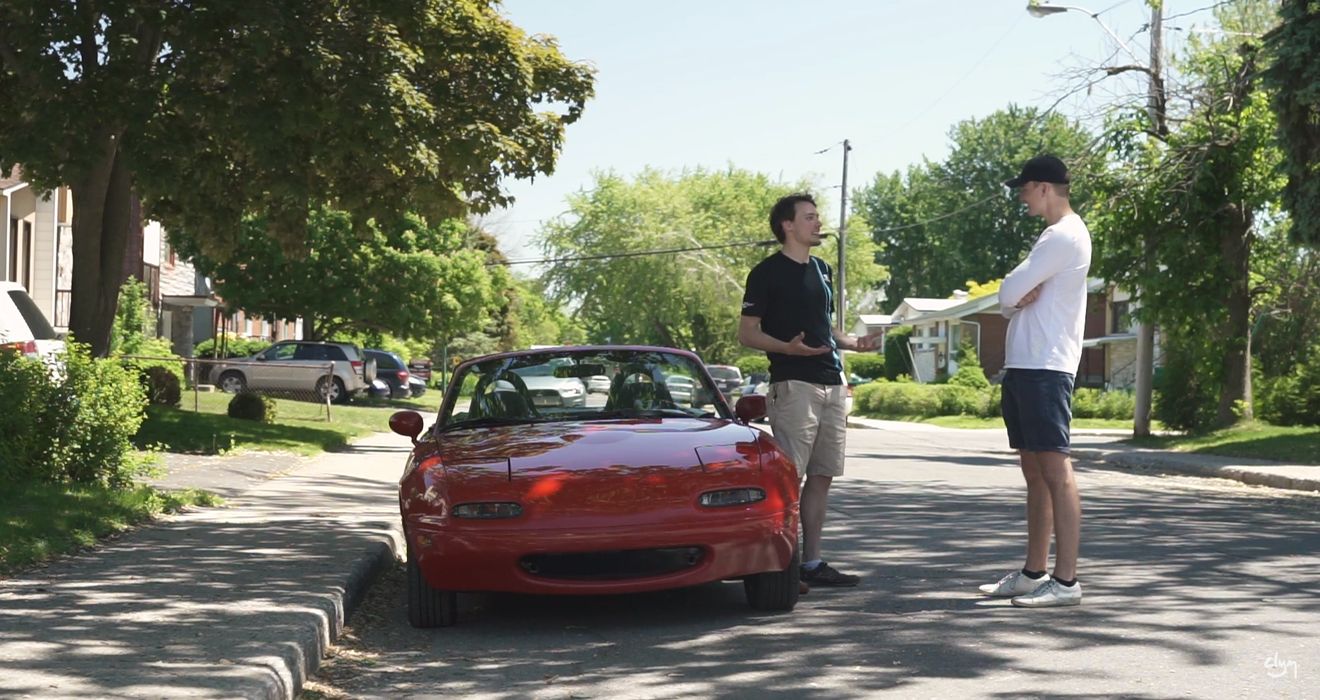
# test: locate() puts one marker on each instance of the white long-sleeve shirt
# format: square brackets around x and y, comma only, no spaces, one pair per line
[1047,333]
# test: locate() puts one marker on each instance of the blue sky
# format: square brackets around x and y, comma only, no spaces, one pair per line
[765,84]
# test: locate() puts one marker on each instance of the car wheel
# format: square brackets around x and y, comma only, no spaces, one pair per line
[774,590]
[337,392]
[232,382]
[428,607]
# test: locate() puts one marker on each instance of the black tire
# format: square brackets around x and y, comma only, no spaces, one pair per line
[774,590]
[338,394]
[232,382]
[429,607]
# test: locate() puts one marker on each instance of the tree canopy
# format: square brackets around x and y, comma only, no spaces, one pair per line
[1293,75]
[409,279]
[943,223]
[689,297]
[215,110]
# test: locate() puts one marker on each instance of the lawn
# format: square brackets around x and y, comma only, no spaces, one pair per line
[1290,444]
[975,422]
[38,521]
[299,426]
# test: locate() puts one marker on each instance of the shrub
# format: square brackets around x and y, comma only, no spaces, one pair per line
[1094,403]
[898,400]
[992,407]
[161,385]
[867,365]
[748,364]
[897,362]
[1186,397]
[1294,398]
[249,405]
[234,347]
[71,424]
[970,373]
[957,400]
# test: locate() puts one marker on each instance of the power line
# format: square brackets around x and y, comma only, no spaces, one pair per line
[633,254]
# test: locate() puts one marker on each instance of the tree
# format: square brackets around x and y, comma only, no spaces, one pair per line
[941,224]
[1208,190]
[686,298]
[1293,75]
[213,110]
[408,279]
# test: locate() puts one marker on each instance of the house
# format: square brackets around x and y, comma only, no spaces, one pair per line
[940,326]
[36,248]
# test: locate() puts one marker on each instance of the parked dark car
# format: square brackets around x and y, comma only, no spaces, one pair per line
[727,377]
[391,368]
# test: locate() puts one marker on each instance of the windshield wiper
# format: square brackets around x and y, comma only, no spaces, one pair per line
[643,413]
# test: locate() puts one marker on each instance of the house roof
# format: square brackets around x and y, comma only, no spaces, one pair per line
[876,319]
[960,308]
[15,177]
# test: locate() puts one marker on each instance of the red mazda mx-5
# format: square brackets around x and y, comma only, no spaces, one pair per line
[523,485]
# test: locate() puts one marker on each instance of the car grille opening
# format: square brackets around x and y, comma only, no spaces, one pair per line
[612,565]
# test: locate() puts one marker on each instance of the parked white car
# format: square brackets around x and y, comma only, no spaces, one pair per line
[24,328]
[297,366]
[547,390]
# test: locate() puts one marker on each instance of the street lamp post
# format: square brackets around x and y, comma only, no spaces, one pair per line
[842,240]
[1155,99]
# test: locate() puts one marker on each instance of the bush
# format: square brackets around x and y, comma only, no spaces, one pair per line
[898,400]
[234,347]
[749,364]
[249,405]
[1186,397]
[1094,403]
[897,362]
[970,373]
[993,407]
[161,384]
[74,423]
[867,365]
[1293,399]
[956,400]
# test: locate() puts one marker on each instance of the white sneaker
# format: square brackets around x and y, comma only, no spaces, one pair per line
[1051,595]
[1014,584]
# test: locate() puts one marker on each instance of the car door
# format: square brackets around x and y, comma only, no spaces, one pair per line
[313,360]
[263,372]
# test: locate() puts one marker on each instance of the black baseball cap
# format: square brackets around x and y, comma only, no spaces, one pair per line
[1043,168]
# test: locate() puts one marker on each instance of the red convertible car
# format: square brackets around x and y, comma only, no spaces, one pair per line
[515,489]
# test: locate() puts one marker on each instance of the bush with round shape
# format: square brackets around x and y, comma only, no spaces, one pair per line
[249,405]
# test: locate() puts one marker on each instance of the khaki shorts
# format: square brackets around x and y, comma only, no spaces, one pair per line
[810,424]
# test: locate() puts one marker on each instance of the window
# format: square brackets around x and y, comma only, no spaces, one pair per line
[1121,316]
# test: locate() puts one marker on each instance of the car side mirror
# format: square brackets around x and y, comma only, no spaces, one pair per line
[407,424]
[750,408]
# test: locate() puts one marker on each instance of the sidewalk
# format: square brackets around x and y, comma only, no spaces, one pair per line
[1121,455]
[234,602]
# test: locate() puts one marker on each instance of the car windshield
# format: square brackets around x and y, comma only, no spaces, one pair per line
[552,386]
[724,372]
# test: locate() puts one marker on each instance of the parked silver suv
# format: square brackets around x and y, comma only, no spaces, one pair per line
[300,366]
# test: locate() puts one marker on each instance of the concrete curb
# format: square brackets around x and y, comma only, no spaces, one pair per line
[1275,476]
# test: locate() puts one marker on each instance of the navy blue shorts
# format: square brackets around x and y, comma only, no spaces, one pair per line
[1037,405]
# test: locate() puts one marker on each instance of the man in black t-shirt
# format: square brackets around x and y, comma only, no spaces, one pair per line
[786,312]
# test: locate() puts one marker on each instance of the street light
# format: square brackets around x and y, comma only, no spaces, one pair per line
[1040,9]
[1155,102]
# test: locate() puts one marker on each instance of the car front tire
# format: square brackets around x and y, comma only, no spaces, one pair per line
[775,590]
[427,606]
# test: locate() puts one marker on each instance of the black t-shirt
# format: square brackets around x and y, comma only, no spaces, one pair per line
[790,298]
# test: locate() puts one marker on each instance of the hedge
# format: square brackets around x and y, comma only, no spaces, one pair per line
[907,400]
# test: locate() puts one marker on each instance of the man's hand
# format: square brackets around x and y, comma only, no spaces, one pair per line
[1031,296]
[796,346]
[868,342]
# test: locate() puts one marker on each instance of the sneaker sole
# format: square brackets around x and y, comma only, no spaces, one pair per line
[1053,604]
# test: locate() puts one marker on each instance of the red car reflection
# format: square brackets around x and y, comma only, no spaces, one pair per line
[512,490]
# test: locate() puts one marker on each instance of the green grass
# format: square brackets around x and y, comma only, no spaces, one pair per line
[39,521]
[299,426]
[1290,444]
[975,422]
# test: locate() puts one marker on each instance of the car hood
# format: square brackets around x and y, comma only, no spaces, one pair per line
[598,467]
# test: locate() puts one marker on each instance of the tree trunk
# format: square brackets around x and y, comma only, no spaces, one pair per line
[101,215]
[1235,245]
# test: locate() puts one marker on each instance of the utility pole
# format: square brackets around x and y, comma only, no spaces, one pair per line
[843,240]
[1146,330]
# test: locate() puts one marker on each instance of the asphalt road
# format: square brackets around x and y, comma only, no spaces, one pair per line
[1193,588]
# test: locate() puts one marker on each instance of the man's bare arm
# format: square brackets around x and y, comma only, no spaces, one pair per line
[751,335]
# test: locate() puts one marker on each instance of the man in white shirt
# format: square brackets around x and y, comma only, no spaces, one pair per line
[1044,299]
